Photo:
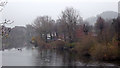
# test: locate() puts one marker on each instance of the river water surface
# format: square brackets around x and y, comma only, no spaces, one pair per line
[42,57]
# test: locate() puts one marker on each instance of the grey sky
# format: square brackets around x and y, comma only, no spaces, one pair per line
[25,11]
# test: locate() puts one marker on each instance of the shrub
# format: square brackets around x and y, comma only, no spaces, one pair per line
[70,45]
[40,42]
[84,45]
[104,52]
[58,44]
[98,52]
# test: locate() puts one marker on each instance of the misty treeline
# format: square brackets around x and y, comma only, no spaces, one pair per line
[100,41]
[70,23]
[65,26]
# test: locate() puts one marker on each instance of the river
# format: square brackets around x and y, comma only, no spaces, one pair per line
[43,57]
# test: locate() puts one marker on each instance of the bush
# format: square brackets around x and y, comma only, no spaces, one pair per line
[70,45]
[85,45]
[40,42]
[59,44]
[104,52]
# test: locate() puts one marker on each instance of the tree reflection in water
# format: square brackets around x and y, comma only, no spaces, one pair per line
[52,57]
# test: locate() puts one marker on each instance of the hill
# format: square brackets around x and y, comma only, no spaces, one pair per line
[107,15]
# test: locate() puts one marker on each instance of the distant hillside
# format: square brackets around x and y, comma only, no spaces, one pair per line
[105,15]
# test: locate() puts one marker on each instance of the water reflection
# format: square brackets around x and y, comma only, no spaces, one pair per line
[43,57]
[48,57]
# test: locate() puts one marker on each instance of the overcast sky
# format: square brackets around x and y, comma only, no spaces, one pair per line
[25,11]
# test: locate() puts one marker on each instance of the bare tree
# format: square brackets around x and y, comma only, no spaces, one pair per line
[100,25]
[116,25]
[3,28]
[2,4]
[2,25]
[86,28]
[43,26]
[69,19]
